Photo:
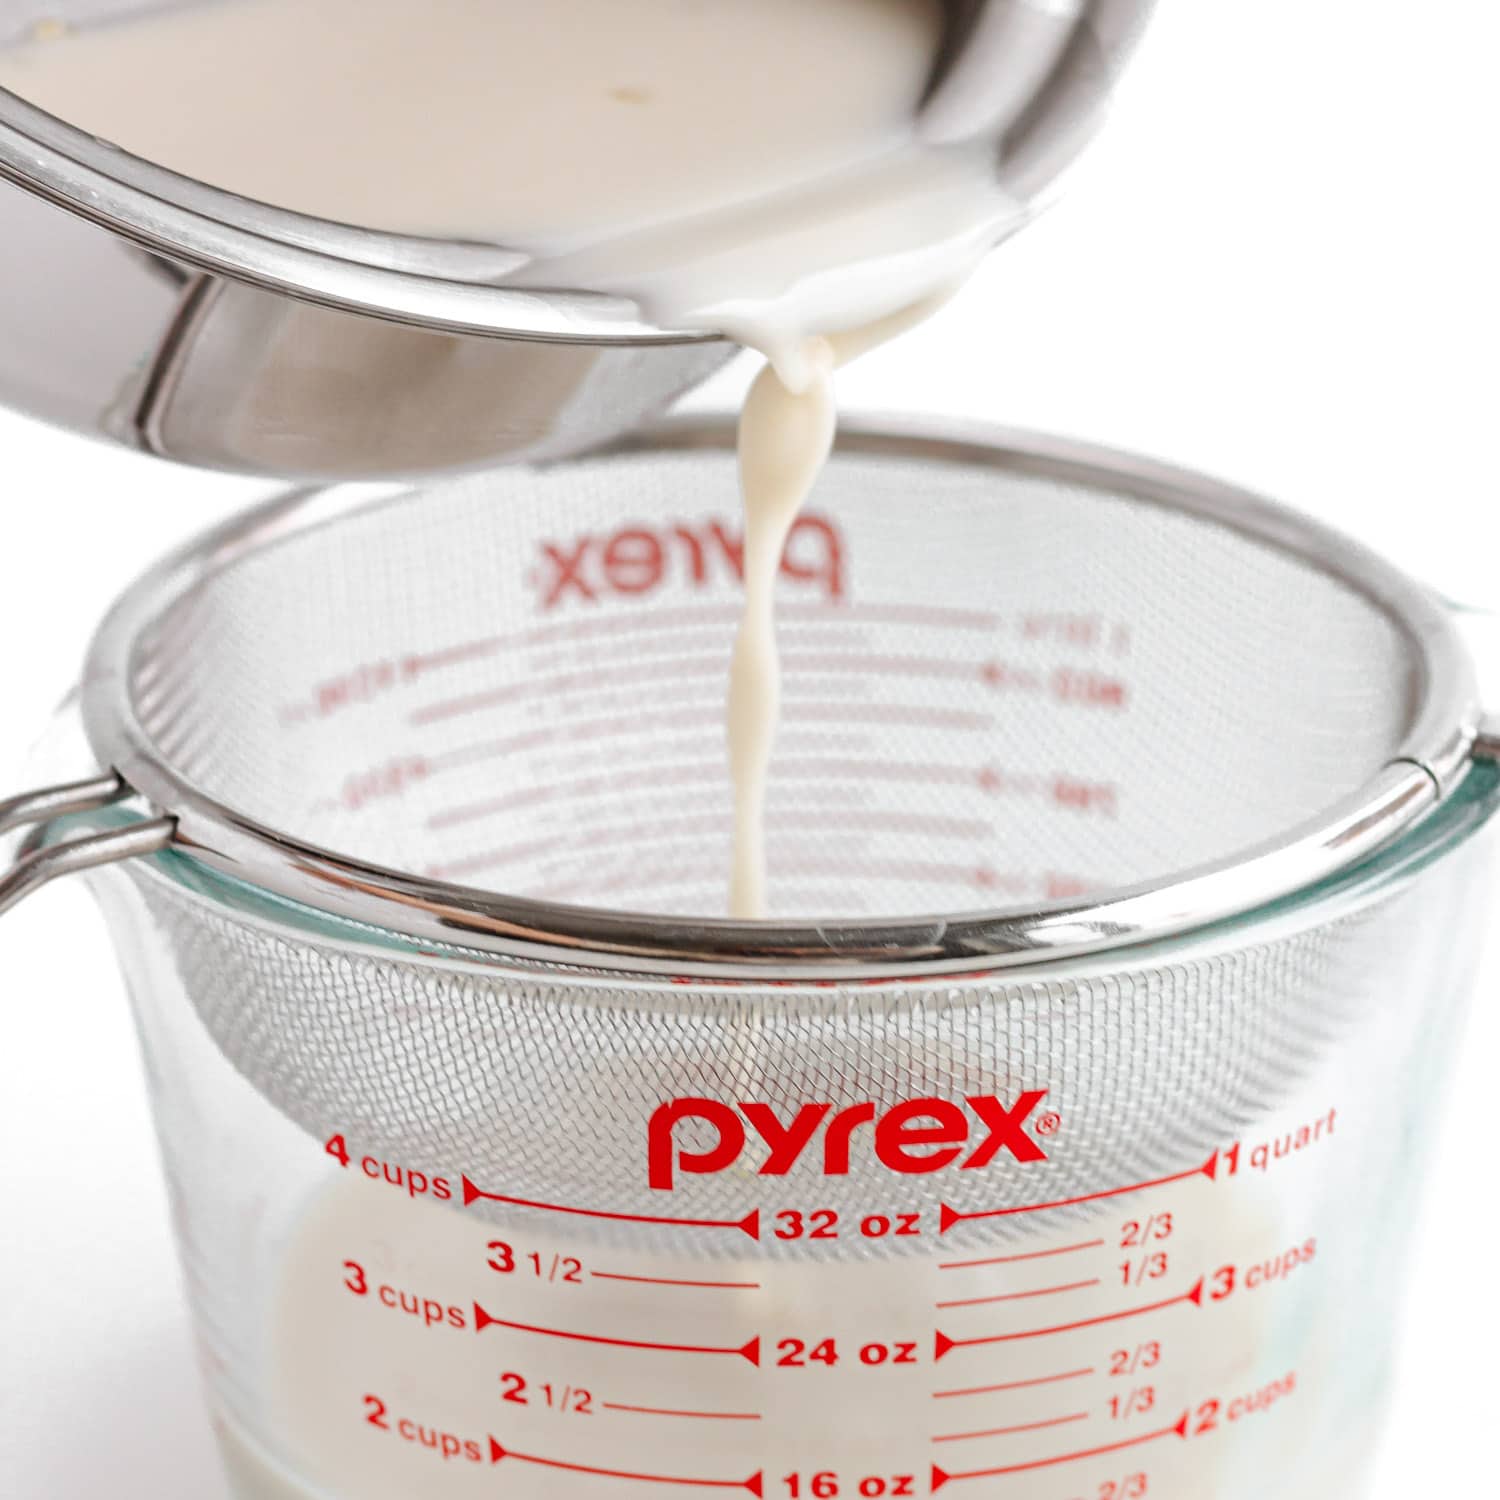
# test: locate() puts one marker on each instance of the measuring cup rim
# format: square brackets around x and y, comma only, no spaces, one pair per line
[1424,769]
[447,286]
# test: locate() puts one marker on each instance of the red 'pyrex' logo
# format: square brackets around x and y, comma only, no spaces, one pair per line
[918,1135]
[640,559]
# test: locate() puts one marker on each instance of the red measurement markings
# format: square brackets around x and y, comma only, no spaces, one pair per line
[932,616]
[1063,628]
[695,715]
[1068,687]
[919,773]
[499,1452]
[653,779]
[596,757]
[800,860]
[681,774]
[557,847]
[655,669]
[1079,688]
[748,1351]
[667,1411]
[1016,1385]
[368,681]
[356,684]
[677,773]
[1071,689]
[1140,1269]
[943,1344]
[750,1224]
[696,701]
[1075,795]
[635,645]
[921,714]
[1179,1429]
[590,730]
[1011,1260]
[363,682]
[889,664]
[1130,1361]
[1136,1402]
[989,1432]
[656,621]
[717,1286]
[948,1217]
[1046,1291]
[624,622]
[1006,675]
[679,668]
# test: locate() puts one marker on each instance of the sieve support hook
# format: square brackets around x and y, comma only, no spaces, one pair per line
[40,864]
[1487,740]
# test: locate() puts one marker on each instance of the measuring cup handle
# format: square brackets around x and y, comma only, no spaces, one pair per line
[38,863]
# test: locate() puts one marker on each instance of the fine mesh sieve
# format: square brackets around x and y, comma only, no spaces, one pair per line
[1013,680]
[444,775]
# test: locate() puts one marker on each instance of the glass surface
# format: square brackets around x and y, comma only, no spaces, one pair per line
[1220,1330]
[1128,1227]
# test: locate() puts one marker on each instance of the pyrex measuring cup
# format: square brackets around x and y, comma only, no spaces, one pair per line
[1058,1139]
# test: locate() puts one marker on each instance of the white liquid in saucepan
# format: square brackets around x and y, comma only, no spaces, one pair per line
[746,166]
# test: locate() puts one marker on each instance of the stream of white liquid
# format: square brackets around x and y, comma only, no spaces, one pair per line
[785,437]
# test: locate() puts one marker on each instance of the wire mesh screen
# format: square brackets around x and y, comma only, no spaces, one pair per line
[999,687]
[546,1093]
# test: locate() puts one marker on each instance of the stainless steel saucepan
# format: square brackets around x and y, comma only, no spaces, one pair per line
[152,310]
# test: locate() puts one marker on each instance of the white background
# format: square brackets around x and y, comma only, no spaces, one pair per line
[1280,266]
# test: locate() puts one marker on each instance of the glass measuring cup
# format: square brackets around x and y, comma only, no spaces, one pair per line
[1094,1182]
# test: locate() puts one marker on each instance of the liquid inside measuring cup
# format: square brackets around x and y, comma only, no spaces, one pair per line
[1124,1346]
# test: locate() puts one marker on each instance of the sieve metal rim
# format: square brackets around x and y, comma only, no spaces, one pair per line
[1427,766]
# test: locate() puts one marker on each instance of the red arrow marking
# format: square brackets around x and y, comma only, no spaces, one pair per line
[944,1343]
[753,1483]
[750,1224]
[1178,1429]
[483,1320]
[948,1217]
